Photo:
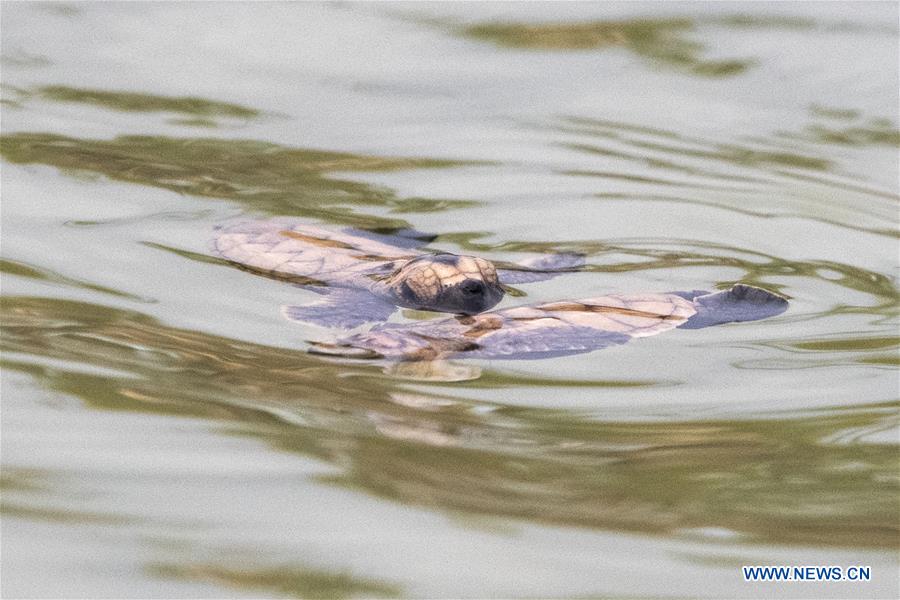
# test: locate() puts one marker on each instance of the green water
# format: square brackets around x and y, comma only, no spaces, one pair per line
[165,433]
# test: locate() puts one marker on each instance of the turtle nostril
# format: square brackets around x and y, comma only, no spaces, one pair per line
[472,288]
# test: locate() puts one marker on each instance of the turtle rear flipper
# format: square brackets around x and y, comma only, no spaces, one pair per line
[740,303]
[341,307]
[540,268]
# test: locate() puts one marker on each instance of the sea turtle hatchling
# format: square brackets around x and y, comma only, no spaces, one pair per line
[365,276]
[557,328]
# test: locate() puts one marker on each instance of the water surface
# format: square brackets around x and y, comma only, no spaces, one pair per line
[165,432]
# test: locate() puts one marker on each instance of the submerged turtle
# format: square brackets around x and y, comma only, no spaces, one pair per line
[558,328]
[365,276]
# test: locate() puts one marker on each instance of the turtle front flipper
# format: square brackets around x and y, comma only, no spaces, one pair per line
[740,303]
[341,307]
[540,268]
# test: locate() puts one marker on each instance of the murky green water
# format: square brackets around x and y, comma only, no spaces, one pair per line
[164,432]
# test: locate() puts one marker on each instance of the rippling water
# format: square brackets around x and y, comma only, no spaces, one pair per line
[165,432]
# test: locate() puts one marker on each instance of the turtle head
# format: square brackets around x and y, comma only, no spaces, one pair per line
[447,283]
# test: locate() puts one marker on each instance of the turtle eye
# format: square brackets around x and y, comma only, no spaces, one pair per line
[471,287]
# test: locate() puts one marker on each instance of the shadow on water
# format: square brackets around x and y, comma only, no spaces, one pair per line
[21,269]
[195,112]
[786,480]
[135,102]
[854,130]
[266,178]
[662,42]
[665,43]
[288,579]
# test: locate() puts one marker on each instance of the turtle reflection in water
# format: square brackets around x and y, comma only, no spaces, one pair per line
[364,276]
